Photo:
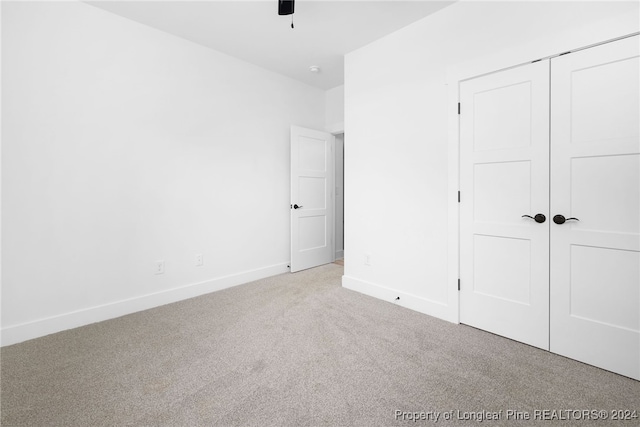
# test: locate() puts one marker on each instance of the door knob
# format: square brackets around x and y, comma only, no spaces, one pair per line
[560,219]
[296,207]
[539,218]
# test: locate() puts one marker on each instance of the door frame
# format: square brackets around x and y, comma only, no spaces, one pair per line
[335,130]
[465,71]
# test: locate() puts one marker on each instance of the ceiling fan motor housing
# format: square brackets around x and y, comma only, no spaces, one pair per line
[285,7]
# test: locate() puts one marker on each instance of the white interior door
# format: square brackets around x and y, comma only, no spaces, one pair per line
[504,174]
[312,212]
[595,166]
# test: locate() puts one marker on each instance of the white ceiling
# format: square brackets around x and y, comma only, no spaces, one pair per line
[253,31]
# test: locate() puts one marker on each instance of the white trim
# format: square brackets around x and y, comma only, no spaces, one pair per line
[38,328]
[555,55]
[412,302]
[332,195]
[549,46]
[1,184]
[453,207]
[335,128]
[339,254]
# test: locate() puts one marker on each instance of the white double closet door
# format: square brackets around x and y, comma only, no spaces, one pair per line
[557,137]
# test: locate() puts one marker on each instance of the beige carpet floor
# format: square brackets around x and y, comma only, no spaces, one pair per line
[294,350]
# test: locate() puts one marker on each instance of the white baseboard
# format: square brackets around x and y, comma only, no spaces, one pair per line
[41,327]
[339,254]
[412,302]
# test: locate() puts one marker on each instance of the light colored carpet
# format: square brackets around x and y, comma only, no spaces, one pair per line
[291,350]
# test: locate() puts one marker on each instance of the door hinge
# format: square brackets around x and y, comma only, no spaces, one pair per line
[458,108]
[458,197]
[458,284]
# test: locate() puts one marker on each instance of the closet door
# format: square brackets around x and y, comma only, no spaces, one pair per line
[504,157]
[595,177]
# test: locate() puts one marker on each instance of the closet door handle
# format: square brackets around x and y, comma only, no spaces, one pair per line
[539,218]
[296,206]
[560,219]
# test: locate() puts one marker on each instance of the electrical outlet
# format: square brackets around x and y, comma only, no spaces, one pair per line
[199,260]
[159,267]
[367,259]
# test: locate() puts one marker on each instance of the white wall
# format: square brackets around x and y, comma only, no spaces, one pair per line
[401,157]
[334,109]
[123,145]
